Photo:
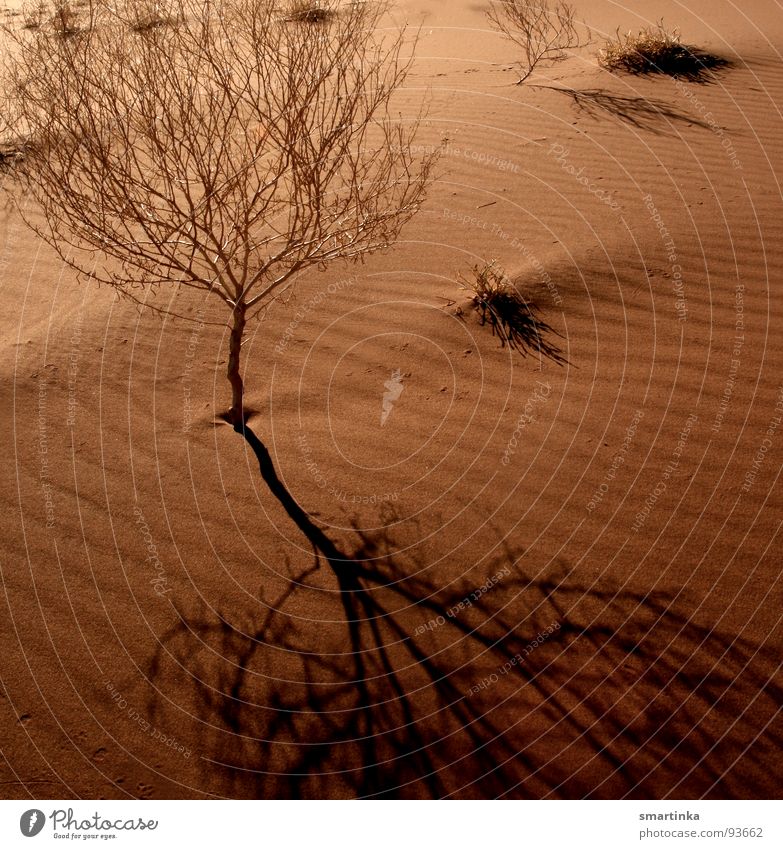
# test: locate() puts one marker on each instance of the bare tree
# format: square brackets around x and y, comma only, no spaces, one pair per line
[226,148]
[544,32]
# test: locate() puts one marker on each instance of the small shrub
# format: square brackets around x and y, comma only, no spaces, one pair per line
[11,154]
[143,16]
[655,50]
[510,316]
[64,19]
[151,16]
[544,31]
[34,14]
[59,14]
[308,11]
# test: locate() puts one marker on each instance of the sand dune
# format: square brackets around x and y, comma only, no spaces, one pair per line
[612,522]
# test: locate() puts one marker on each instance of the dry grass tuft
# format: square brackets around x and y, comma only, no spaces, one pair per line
[142,16]
[59,15]
[308,12]
[11,154]
[65,19]
[510,316]
[655,50]
[35,13]
[151,16]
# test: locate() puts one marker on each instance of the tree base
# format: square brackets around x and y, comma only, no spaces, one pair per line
[230,418]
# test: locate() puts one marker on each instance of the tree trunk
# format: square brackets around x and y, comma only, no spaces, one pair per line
[236,413]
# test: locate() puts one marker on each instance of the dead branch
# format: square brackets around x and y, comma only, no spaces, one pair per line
[544,32]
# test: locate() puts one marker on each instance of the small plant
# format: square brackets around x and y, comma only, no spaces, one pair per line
[509,315]
[543,32]
[10,154]
[64,19]
[308,11]
[34,14]
[148,15]
[656,50]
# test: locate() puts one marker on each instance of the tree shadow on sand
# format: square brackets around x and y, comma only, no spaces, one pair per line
[495,684]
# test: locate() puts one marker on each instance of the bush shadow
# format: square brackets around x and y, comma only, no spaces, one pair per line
[517,324]
[642,113]
[681,61]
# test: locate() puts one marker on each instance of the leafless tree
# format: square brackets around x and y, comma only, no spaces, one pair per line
[226,148]
[543,31]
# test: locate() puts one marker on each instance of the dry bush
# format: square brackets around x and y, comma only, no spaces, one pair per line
[228,154]
[11,154]
[35,13]
[487,285]
[510,316]
[545,32]
[64,19]
[59,15]
[309,11]
[144,15]
[656,50]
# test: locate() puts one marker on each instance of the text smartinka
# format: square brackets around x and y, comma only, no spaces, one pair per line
[671,815]
[65,824]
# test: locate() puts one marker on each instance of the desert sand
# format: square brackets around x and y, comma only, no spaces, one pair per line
[567,576]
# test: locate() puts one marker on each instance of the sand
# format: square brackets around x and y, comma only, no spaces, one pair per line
[568,575]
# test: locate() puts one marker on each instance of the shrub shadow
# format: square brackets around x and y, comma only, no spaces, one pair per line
[681,61]
[517,324]
[642,113]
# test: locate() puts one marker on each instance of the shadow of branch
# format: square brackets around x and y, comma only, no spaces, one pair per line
[642,113]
